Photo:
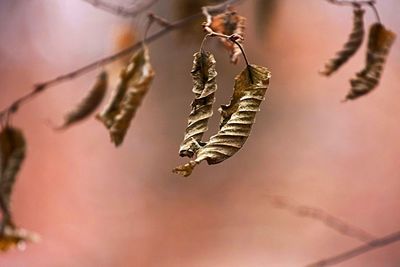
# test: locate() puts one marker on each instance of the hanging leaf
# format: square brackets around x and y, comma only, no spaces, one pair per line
[204,88]
[379,44]
[12,154]
[230,23]
[135,81]
[141,76]
[89,104]
[237,119]
[12,237]
[107,116]
[351,46]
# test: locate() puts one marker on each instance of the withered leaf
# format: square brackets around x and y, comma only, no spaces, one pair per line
[138,77]
[89,103]
[204,87]
[380,41]
[12,154]
[12,237]
[237,119]
[229,23]
[351,46]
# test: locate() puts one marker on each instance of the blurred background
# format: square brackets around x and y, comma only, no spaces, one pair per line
[98,206]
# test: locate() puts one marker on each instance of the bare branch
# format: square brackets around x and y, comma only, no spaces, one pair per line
[122,11]
[40,87]
[318,214]
[345,256]
[352,2]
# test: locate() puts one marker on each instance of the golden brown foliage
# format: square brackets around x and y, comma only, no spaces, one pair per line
[204,88]
[88,104]
[380,41]
[12,154]
[351,46]
[237,119]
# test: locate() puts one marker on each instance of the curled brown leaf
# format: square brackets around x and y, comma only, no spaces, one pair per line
[237,119]
[204,88]
[351,46]
[12,154]
[135,81]
[380,41]
[89,103]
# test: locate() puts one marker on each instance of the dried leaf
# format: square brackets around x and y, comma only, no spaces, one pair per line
[379,43]
[237,119]
[351,46]
[229,23]
[141,74]
[135,80]
[107,116]
[88,104]
[12,154]
[16,237]
[204,88]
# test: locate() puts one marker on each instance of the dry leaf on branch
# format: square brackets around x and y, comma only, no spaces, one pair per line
[12,154]
[351,46]
[380,41]
[135,81]
[229,23]
[204,87]
[237,119]
[88,104]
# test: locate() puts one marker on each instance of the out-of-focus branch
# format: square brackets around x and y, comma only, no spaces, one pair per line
[345,256]
[122,11]
[352,2]
[42,86]
[320,215]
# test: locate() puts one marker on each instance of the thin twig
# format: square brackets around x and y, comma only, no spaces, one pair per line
[373,7]
[321,215]
[40,87]
[121,10]
[352,2]
[345,256]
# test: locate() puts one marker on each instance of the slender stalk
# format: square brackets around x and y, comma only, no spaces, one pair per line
[121,10]
[348,255]
[351,2]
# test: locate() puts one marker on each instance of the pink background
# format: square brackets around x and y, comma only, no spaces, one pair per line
[97,206]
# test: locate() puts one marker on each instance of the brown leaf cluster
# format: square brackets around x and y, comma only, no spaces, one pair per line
[237,119]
